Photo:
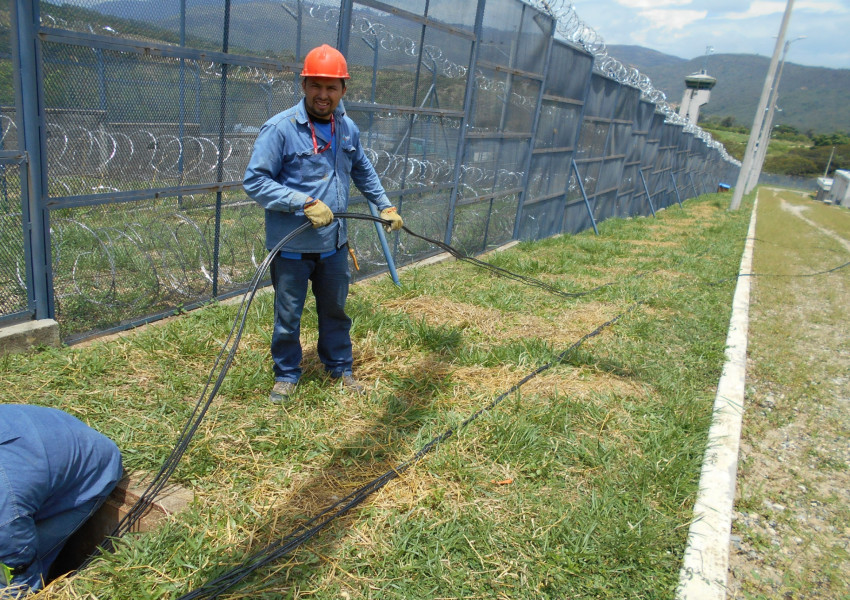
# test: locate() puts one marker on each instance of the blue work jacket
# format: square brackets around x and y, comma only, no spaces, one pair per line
[285,170]
[50,462]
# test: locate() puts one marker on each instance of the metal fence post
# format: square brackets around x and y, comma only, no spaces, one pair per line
[225,44]
[29,100]
[584,195]
[648,195]
[343,35]
[676,188]
[181,101]
[298,16]
[534,122]
[468,107]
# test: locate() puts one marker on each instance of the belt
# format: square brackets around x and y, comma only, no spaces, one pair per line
[310,255]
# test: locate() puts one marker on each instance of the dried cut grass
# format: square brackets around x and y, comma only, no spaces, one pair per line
[653,243]
[580,383]
[559,328]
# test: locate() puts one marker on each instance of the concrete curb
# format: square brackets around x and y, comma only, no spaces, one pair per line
[706,561]
[23,337]
[172,500]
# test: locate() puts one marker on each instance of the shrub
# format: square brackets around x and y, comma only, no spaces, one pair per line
[791,164]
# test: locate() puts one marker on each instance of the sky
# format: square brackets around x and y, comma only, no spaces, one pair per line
[686,28]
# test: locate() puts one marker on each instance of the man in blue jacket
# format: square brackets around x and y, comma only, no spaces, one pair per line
[55,472]
[303,161]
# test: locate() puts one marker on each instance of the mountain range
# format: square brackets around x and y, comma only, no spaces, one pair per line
[811,99]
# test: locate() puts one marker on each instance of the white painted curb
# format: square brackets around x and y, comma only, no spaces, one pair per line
[706,561]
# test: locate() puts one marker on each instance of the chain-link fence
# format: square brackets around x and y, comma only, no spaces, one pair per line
[127,127]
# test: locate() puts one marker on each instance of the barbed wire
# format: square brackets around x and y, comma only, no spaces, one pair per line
[81,159]
[570,26]
[128,264]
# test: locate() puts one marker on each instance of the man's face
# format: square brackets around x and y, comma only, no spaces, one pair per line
[322,95]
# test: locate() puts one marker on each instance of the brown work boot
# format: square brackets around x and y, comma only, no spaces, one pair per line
[281,391]
[349,383]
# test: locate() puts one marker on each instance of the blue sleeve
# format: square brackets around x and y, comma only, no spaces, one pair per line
[262,172]
[18,537]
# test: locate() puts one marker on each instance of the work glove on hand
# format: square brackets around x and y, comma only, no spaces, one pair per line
[390,214]
[318,213]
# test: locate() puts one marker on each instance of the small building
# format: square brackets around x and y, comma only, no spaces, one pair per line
[824,184]
[697,93]
[840,192]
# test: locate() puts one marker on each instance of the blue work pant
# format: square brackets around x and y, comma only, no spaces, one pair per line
[330,279]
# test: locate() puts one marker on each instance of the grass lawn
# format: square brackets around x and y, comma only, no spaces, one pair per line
[793,494]
[578,485]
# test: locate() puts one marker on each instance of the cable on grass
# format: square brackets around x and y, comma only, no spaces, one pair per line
[788,276]
[815,274]
[492,268]
[214,381]
[291,542]
[228,352]
[286,545]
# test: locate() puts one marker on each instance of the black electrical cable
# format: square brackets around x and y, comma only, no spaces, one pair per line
[286,545]
[778,275]
[815,274]
[224,359]
[227,354]
[497,270]
[797,247]
[316,524]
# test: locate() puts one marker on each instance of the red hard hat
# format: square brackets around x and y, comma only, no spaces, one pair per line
[325,61]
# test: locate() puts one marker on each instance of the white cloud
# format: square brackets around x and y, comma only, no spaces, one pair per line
[672,19]
[731,26]
[823,6]
[759,8]
[653,3]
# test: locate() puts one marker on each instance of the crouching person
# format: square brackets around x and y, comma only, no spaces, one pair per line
[55,472]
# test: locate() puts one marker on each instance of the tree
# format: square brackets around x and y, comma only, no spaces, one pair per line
[830,139]
[786,129]
[790,164]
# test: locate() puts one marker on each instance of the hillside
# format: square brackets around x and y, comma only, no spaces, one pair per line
[645,58]
[810,98]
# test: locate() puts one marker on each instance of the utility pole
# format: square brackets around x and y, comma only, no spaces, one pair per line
[829,162]
[744,173]
[767,127]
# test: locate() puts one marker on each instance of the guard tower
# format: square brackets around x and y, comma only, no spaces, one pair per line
[697,92]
